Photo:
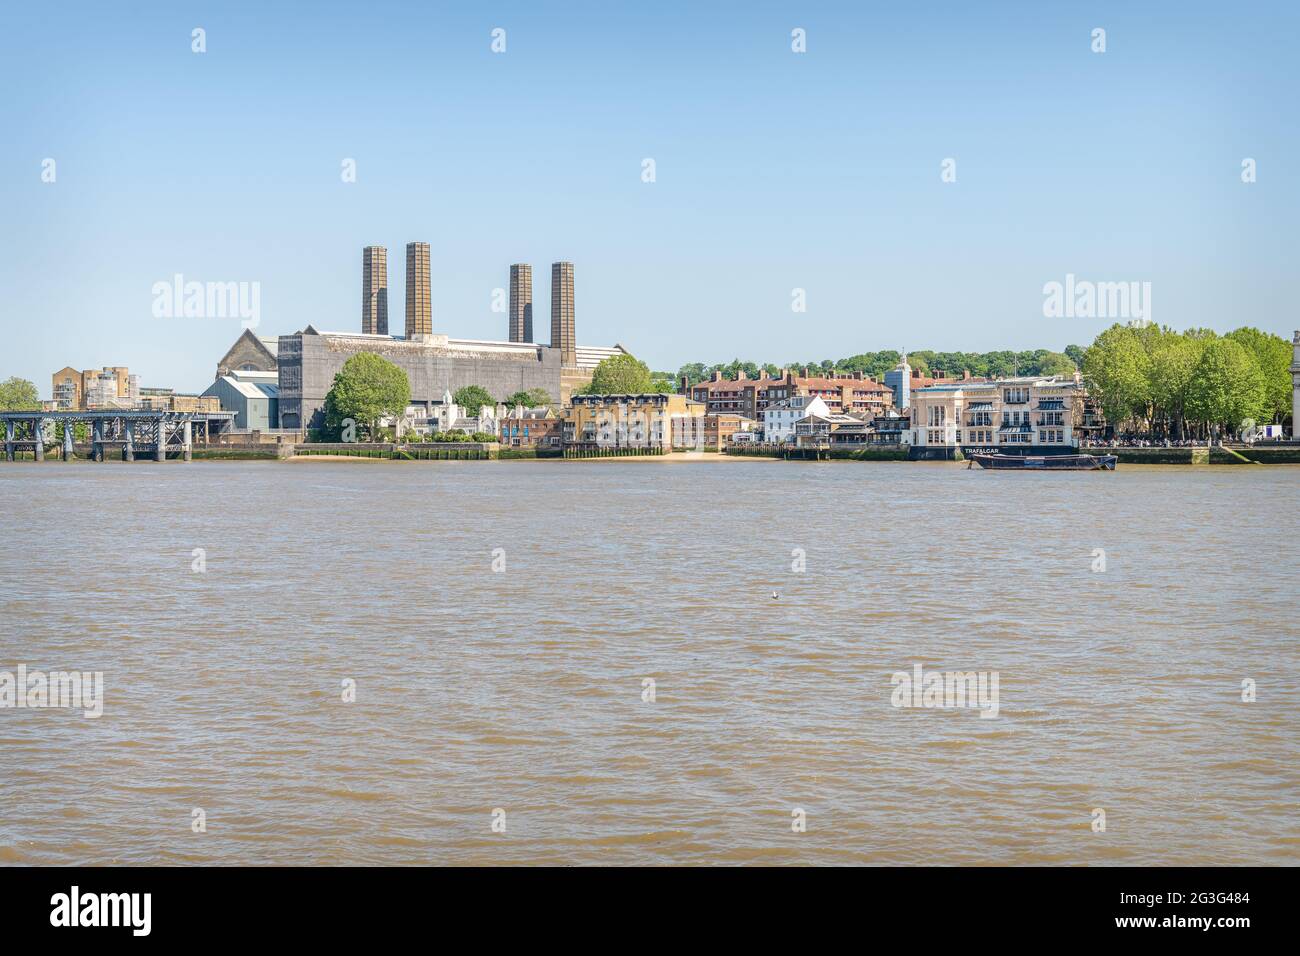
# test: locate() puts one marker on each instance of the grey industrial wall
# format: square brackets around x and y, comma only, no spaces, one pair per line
[308,364]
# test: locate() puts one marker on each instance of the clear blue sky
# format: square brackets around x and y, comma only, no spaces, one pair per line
[775,170]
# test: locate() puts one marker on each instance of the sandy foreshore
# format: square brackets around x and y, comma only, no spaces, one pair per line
[335,458]
[676,456]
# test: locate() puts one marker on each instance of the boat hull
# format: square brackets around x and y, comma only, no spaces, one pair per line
[1047,462]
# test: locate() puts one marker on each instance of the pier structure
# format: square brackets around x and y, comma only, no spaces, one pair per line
[127,432]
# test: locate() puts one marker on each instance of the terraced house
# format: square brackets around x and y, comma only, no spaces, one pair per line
[654,421]
[531,427]
[844,392]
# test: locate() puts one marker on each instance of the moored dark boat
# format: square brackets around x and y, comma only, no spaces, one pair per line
[1047,462]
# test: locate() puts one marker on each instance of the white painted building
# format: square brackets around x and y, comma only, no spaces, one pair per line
[1295,387]
[446,416]
[1018,413]
[780,418]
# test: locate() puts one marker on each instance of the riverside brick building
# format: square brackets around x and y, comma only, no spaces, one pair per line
[656,421]
[719,428]
[531,428]
[849,393]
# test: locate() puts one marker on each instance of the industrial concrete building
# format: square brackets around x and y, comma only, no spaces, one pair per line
[563,336]
[374,290]
[521,302]
[419,305]
[307,361]
[434,364]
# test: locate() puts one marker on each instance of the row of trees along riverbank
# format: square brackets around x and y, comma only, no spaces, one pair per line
[1193,384]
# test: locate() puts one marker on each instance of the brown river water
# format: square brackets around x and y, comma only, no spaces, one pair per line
[521,690]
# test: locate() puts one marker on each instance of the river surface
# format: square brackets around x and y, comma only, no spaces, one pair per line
[515,696]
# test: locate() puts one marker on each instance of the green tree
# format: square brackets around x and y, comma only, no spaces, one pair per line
[366,389]
[474,397]
[999,364]
[620,375]
[1227,385]
[1116,365]
[693,372]
[1272,354]
[80,432]
[18,395]
[1173,361]
[531,398]
[1055,363]
[1075,354]
[455,435]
